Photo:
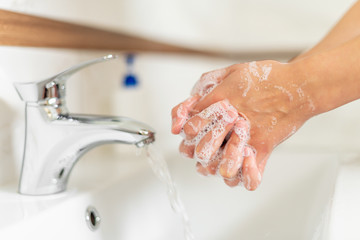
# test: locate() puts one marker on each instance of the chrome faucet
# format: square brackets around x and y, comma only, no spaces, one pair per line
[55,139]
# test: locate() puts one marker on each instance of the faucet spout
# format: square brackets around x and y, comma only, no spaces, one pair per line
[108,129]
[52,148]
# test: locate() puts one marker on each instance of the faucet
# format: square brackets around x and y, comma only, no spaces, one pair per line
[55,139]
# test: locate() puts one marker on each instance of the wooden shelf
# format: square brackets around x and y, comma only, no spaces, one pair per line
[17,29]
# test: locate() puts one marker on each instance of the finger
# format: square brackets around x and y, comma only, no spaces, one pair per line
[226,116]
[261,162]
[198,126]
[233,153]
[212,166]
[195,125]
[208,81]
[180,113]
[233,182]
[219,92]
[201,122]
[201,169]
[263,150]
[186,150]
[251,175]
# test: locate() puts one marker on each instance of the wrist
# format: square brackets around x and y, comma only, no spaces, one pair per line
[332,76]
[322,90]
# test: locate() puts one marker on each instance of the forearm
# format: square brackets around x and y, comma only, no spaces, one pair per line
[346,29]
[332,77]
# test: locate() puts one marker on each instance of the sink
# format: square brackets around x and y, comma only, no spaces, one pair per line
[293,202]
[290,204]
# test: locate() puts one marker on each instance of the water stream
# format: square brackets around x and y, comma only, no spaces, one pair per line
[161,170]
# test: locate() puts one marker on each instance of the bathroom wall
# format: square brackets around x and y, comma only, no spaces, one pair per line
[249,26]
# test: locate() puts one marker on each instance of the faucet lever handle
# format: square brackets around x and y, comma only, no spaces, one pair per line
[53,87]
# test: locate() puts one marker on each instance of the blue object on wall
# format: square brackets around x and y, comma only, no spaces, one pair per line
[130,79]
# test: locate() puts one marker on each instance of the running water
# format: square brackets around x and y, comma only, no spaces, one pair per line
[161,170]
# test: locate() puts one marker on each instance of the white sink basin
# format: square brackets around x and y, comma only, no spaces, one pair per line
[293,202]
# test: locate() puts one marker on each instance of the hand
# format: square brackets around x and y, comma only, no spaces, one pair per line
[236,116]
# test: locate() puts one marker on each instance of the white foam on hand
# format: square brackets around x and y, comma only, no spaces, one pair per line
[207,82]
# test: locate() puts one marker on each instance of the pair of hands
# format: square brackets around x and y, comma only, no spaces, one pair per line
[236,116]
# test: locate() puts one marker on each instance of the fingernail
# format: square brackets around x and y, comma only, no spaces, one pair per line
[200,169]
[242,123]
[232,114]
[227,168]
[230,109]
[247,152]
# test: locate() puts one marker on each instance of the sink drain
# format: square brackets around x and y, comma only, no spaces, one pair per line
[92,218]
